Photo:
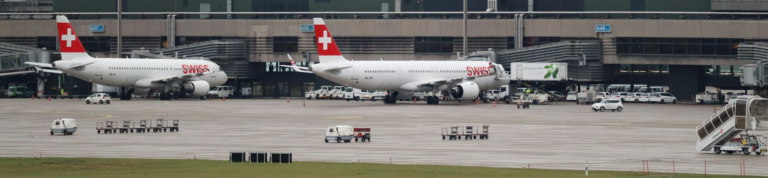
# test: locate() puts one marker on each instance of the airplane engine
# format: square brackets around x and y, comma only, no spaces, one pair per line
[197,88]
[465,91]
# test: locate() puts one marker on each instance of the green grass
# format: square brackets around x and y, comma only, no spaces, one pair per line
[115,168]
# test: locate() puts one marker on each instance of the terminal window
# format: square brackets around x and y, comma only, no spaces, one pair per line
[533,41]
[47,42]
[433,44]
[677,46]
[510,42]
[281,44]
[96,44]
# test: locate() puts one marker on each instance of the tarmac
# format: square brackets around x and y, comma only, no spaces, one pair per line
[559,136]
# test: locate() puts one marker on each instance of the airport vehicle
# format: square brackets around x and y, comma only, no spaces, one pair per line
[523,100]
[572,96]
[126,127]
[639,88]
[608,104]
[246,92]
[339,133]
[557,96]
[453,133]
[462,79]
[419,96]
[644,98]
[379,95]
[221,91]
[66,126]
[143,126]
[338,92]
[663,98]
[484,134]
[366,95]
[538,98]
[586,97]
[745,144]
[619,88]
[352,94]
[362,134]
[99,98]
[602,95]
[192,76]
[321,93]
[708,97]
[747,113]
[19,92]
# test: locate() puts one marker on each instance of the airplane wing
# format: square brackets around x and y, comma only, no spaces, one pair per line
[50,71]
[81,64]
[46,65]
[171,78]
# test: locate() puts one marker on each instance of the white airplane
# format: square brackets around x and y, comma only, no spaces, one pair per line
[192,76]
[463,79]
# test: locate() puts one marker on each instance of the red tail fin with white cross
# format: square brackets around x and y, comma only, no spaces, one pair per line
[70,45]
[326,46]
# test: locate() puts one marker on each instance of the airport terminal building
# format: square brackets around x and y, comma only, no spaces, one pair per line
[684,44]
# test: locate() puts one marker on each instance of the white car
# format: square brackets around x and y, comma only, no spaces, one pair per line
[378,95]
[571,96]
[608,104]
[619,95]
[633,97]
[663,97]
[100,98]
[644,98]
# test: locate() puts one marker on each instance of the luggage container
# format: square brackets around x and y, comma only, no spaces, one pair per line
[453,133]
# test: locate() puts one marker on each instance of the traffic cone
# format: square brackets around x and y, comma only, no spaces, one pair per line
[414,100]
[33,97]
[289,99]
[494,104]
[49,98]
[476,100]
[304,104]
[224,98]
[151,97]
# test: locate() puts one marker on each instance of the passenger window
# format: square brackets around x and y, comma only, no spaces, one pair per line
[57,123]
[331,130]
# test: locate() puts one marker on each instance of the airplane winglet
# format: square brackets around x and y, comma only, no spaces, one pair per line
[294,67]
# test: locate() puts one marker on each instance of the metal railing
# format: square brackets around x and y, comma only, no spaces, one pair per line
[401,15]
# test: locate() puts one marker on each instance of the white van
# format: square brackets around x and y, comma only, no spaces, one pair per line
[339,133]
[66,126]
[221,91]
[352,93]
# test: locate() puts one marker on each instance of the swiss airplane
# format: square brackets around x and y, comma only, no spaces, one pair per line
[192,76]
[463,79]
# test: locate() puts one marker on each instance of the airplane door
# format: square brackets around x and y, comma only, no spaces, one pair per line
[354,74]
[400,72]
[99,69]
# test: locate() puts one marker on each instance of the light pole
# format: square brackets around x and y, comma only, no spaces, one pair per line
[464,40]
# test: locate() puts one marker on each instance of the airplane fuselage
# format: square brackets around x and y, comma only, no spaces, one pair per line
[396,75]
[126,72]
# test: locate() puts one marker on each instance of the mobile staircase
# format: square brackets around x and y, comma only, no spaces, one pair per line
[747,113]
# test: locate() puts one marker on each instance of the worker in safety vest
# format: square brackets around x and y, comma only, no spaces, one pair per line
[527,90]
[744,142]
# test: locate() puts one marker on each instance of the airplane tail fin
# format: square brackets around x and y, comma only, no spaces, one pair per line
[296,68]
[326,47]
[71,48]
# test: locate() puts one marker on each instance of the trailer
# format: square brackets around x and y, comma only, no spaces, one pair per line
[453,133]
[469,134]
[362,133]
[484,133]
[126,127]
[175,126]
[143,126]
[107,128]
[160,126]
[524,101]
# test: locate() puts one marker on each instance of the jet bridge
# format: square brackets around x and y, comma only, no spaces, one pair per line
[747,113]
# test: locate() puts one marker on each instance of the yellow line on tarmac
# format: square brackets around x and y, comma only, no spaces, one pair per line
[347,117]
